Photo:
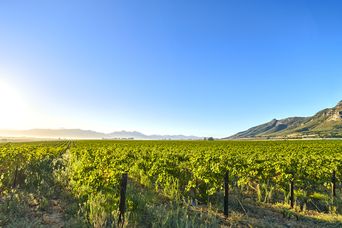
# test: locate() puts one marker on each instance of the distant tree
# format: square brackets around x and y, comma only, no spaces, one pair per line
[210,139]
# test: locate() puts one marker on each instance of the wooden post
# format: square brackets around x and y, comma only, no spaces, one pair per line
[226,191]
[15,177]
[333,181]
[122,204]
[292,193]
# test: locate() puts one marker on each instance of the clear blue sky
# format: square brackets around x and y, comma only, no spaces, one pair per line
[207,68]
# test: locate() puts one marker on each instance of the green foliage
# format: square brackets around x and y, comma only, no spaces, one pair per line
[91,171]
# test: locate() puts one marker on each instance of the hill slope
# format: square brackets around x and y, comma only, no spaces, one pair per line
[326,123]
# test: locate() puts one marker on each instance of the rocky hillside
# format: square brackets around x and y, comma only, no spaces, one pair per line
[324,124]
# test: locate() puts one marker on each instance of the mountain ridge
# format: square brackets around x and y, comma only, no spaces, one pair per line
[88,134]
[326,123]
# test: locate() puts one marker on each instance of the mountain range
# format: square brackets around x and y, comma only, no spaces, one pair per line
[88,134]
[326,123]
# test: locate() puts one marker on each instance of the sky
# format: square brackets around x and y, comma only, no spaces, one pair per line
[205,68]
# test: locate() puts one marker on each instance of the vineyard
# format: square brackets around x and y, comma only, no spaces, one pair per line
[171,183]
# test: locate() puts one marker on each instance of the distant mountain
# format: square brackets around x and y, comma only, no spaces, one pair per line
[87,134]
[324,124]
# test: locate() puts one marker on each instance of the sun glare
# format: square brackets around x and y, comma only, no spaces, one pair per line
[14,110]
